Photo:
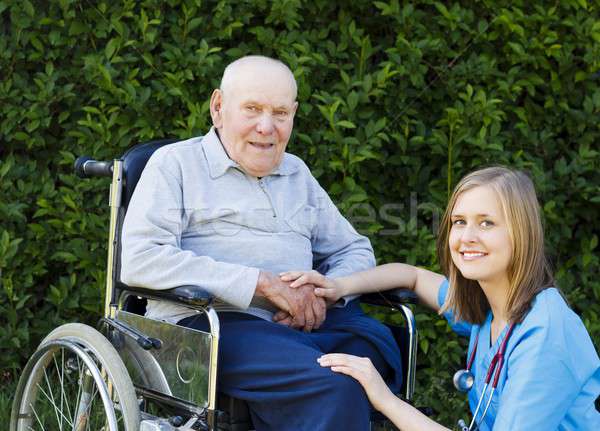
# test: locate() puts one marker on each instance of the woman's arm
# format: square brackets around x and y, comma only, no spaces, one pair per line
[402,414]
[423,282]
[389,276]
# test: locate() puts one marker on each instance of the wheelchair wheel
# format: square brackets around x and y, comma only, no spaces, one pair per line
[75,381]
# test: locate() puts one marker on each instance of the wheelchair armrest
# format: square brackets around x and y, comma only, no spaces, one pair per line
[390,298]
[190,295]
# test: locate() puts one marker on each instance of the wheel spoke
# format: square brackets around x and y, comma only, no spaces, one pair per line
[89,408]
[88,397]
[79,385]
[37,417]
[81,375]
[61,377]
[51,398]
[55,409]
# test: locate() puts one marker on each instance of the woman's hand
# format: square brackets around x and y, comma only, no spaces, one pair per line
[361,369]
[325,287]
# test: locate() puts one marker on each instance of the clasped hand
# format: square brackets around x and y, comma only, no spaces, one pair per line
[299,306]
[321,286]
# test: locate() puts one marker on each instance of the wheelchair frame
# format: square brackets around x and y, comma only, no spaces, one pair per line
[138,337]
[114,308]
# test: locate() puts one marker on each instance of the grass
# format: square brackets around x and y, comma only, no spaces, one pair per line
[7,392]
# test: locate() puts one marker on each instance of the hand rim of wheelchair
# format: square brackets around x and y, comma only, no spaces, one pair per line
[99,365]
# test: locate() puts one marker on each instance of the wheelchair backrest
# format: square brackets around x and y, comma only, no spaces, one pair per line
[134,162]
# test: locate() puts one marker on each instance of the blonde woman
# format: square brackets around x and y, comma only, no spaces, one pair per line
[544,373]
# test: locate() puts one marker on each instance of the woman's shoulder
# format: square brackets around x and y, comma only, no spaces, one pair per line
[549,309]
[553,326]
[556,330]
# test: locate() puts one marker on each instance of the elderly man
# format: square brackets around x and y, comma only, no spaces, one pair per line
[228,212]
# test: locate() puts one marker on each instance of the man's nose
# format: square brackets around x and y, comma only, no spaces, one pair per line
[265,124]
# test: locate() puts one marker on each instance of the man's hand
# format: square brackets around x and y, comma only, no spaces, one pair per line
[329,289]
[300,308]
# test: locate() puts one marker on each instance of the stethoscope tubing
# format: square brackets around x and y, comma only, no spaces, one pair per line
[478,407]
[494,369]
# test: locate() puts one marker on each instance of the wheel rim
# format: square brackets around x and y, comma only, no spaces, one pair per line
[67,390]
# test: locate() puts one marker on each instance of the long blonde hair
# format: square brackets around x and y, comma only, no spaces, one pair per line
[528,270]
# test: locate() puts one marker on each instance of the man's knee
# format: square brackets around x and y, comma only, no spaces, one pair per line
[346,390]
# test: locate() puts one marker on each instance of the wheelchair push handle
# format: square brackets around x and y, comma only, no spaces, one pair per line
[86,167]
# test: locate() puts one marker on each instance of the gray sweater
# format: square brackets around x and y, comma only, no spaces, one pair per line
[197,219]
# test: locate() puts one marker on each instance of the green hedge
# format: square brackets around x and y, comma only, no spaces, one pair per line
[397,101]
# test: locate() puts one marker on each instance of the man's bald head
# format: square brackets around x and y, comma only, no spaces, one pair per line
[253,112]
[255,65]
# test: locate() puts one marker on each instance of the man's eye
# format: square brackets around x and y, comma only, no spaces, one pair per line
[252,108]
[282,114]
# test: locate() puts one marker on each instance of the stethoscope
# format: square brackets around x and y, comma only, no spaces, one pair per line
[464,379]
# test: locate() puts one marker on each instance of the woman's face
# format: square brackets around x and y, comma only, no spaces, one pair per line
[479,242]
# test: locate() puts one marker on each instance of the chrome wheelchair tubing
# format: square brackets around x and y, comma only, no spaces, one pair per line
[170,401]
[215,331]
[116,190]
[412,350]
[144,342]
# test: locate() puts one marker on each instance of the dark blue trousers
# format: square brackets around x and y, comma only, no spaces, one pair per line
[274,368]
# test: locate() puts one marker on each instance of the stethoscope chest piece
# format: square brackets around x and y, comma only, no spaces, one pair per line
[463,380]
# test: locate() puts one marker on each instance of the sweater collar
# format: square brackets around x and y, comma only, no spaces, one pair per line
[219,162]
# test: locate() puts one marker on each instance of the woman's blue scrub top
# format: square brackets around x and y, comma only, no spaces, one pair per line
[551,373]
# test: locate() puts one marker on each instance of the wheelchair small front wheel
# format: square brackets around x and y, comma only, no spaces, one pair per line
[75,381]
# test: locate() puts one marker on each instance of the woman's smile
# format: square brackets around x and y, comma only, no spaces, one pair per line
[479,241]
[472,255]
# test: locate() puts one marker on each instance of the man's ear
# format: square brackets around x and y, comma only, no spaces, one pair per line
[216,108]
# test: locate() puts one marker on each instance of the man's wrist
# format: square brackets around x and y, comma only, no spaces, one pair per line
[263,283]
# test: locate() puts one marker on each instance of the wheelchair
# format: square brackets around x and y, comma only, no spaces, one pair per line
[135,373]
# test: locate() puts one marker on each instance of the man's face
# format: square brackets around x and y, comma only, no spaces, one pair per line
[255,117]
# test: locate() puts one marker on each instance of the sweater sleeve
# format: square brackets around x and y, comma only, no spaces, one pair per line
[152,256]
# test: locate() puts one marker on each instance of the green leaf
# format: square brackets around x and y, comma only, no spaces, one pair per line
[346,124]
[21,136]
[105,74]
[28,8]
[36,43]
[442,9]
[517,47]
[111,47]
[580,75]
[353,98]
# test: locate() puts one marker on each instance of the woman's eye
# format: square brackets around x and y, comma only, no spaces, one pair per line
[487,223]
[458,222]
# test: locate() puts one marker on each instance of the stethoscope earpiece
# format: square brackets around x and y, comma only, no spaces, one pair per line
[463,380]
